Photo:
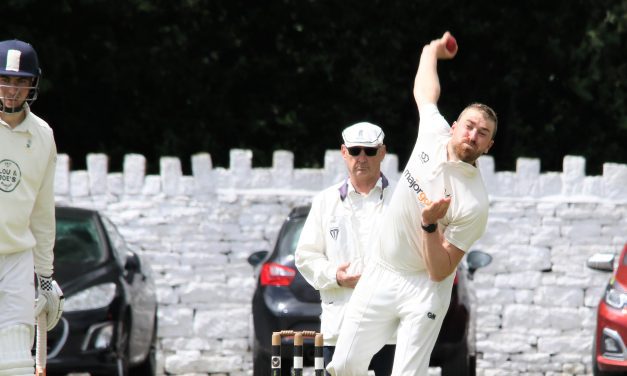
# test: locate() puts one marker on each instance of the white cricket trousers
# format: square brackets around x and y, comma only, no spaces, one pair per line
[17,313]
[384,300]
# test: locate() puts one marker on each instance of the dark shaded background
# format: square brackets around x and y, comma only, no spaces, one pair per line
[173,78]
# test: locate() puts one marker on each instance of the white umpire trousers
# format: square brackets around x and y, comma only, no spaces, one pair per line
[383,301]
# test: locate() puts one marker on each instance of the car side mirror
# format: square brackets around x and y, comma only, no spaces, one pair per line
[132,265]
[602,261]
[477,259]
[257,257]
[132,262]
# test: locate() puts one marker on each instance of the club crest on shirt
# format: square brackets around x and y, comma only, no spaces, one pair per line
[334,232]
[10,175]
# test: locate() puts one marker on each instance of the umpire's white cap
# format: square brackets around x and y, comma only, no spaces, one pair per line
[363,134]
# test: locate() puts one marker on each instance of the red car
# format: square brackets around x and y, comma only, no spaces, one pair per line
[609,352]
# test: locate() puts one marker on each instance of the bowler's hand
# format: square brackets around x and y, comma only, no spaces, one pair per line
[439,45]
[435,211]
[344,279]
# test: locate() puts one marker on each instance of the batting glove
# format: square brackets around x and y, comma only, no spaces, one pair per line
[49,299]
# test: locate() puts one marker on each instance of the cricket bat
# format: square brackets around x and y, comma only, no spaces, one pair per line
[41,351]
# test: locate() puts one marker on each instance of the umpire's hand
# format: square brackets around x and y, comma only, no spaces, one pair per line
[344,279]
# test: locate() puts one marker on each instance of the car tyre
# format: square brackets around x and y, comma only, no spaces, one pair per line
[472,364]
[261,362]
[122,346]
[459,364]
[149,366]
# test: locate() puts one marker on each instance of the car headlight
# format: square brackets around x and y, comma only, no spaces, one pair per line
[615,298]
[95,297]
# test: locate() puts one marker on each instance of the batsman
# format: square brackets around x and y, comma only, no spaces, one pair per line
[27,222]
[437,211]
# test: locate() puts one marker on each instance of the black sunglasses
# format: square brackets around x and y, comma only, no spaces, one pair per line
[356,150]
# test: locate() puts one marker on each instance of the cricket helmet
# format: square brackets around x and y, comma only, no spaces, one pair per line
[19,59]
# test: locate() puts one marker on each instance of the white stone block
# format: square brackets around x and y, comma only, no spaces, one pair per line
[202,292]
[525,316]
[565,318]
[559,296]
[220,324]
[186,361]
[166,295]
[152,185]
[523,296]
[134,172]
[529,258]
[202,171]
[565,344]
[615,180]
[79,184]
[191,343]
[507,343]
[175,321]
[171,173]
[496,295]
[62,175]
[97,168]
[527,280]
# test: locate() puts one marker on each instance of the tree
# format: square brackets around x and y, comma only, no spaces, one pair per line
[175,78]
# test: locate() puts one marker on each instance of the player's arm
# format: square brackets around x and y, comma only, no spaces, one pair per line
[427,82]
[440,256]
[42,220]
[310,255]
[43,227]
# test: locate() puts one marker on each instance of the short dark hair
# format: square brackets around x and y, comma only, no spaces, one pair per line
[487,111]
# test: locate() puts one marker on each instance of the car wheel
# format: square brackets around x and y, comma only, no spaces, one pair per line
[459,364]
[149,366]
[261,362]
[122,348]
[472,365]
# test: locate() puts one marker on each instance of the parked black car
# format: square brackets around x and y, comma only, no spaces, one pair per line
[283,300]
[109,325]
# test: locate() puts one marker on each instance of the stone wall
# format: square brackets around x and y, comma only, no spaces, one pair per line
[536,301]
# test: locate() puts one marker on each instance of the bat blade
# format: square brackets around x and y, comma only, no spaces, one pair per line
[41,352]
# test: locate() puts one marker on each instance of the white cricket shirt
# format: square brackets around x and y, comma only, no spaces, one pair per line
[27,165]
[342,226]
[428,176]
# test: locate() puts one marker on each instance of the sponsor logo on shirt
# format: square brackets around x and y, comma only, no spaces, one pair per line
[10,175]
[424,157]
[413,185]
[431,315]
[334,232]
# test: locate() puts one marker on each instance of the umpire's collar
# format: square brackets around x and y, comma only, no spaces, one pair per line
[383,181]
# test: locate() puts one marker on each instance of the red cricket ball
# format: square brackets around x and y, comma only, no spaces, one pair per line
[451,44]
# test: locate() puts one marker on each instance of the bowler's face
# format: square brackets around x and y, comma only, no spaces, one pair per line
[471,135]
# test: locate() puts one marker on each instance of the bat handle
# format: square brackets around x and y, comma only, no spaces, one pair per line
[42,343]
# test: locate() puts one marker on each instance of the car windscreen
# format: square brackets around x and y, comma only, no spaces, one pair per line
[289,238]
[77,242]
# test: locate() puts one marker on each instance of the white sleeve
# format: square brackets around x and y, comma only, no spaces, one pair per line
[42,220]
[431,121]
[310,255]
[467,230]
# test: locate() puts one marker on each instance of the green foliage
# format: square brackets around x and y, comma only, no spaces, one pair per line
[179,77]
